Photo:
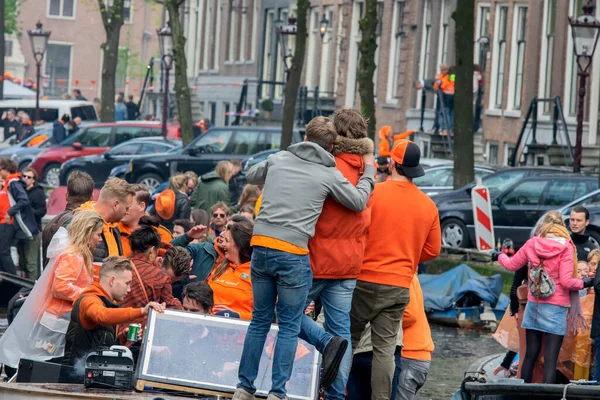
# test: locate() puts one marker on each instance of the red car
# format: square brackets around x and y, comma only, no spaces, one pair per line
[92,140]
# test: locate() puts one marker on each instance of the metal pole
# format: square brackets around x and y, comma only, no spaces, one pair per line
[37,90]
[534,121]
[423,102]
[579,135]
[165,103]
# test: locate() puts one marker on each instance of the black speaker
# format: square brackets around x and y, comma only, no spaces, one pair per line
[46,372]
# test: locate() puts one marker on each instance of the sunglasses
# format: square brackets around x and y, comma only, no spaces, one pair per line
[28,177]
[219,215]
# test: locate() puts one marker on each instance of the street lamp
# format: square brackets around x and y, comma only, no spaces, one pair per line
[165,42]
[284,31]
[585,37]
[323,25]
[39,42]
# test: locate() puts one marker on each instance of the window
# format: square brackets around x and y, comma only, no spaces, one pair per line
[311,51]
[226,114]
[247,142]
[8,48]
[91,137]
[325,70]
[492,152]
[214,141]
[563,192]
[86,113]
[434,177]
[275,141]
[425,46]
[480,173]
[525,194]
[483,28]
[548,53]
[379,30]
[121,73]
[338,40]
[279,70]
[444,22]
[61,8]
[499,57]
[571,74]
[127,11]
[509,149]
[517,58]
[396,42]
[233,29]
[268,53]
[153,148]
[125,133]
[58,68]
[353,54]
[499,182]
[126,149]
[242,36]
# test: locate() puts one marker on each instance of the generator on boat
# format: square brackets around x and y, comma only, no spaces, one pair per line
[110,369]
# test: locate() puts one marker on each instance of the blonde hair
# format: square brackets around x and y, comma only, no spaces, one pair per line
[80,230]
[593,253]
[115,264]
[193,176]
[223,170]
[550,220]
[178,182]
[249,195]
[115,189]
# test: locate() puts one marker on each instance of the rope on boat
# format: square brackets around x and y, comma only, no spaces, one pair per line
[578,382]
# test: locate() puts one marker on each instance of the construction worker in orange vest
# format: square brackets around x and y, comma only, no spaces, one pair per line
[443,81]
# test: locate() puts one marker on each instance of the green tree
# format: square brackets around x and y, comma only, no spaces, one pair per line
[464,164]
[112,19]
[367,48]
[294,75]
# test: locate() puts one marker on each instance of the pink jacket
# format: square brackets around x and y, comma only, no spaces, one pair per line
[557,254]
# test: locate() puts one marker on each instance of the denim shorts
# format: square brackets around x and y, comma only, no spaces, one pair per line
[548,318]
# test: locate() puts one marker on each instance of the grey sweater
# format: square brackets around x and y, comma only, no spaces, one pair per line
[297,182]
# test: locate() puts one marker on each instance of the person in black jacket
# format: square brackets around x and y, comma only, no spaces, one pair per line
[133,112]
[12,127]
[29,250]
[579,219]
[27,129]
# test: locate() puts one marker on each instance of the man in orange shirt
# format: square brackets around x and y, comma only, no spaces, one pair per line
[405,230]
[95,315]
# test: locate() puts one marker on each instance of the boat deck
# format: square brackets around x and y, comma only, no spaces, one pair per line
[35,391]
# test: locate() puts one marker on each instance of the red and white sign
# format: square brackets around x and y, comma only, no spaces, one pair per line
[482,215]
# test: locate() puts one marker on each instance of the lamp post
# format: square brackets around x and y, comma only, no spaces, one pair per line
[39,43]
[165,42]
[585,37]
[284,31]
[323,25]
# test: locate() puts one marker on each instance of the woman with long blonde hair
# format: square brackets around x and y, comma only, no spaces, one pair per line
[553,286]
[38,331]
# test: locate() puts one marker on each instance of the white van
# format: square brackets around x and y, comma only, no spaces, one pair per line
[51,110]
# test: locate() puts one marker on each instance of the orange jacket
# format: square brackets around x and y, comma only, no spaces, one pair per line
[4,206]
[233,289]
[392,256]
[384,149]
[92,311]
[71,278]
[445,83]
[337,249]
[416,340]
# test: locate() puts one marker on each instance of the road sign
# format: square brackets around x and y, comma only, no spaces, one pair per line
[482,215]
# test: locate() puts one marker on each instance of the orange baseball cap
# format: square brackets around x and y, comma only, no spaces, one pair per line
[165,204]
[408,155]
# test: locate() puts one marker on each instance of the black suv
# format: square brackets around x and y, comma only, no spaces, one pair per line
[203,153]
[515,210]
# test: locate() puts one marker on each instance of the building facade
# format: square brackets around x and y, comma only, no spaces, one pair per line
[74,58]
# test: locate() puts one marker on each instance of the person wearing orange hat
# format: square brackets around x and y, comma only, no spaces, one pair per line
[173,203]
[390,261]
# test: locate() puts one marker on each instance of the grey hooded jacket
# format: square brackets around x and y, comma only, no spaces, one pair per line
[297,182]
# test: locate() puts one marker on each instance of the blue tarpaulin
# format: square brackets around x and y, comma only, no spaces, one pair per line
[441,292]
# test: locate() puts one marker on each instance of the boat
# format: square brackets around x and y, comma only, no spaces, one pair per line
[481,383]
[464,298]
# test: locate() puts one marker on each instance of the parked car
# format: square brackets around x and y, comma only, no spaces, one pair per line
[515,210]
[257,158]
[95,139]
[51,110]
[497,182]
[591,201]
[440,178]
[203,153]
[120,170]
[99,166]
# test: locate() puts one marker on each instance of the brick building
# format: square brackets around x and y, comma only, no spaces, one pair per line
[74,58]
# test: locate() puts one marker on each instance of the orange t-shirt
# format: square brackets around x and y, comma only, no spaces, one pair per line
[233,289]
[277,244]
[404,231]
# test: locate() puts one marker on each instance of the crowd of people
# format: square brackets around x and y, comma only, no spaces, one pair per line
[261,247]
[556,327]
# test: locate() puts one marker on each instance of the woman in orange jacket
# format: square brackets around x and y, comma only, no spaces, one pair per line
[230,279]
[38,331]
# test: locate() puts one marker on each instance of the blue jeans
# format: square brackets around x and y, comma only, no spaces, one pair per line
[596,375]
[336,296]
[359,383]
[279,280]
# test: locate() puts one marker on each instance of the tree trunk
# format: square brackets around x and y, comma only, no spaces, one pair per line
[367,48]
[112,18]
[464,168]
[2,46]
[182,90]
[294,75]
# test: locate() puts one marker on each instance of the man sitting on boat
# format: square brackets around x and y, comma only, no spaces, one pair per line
[95,315]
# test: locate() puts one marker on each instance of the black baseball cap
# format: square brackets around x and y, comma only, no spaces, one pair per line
[408,155]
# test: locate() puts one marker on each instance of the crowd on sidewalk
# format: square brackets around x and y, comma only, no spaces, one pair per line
[262,246]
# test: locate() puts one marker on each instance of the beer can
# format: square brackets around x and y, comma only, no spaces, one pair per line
[132,335]
[312,312]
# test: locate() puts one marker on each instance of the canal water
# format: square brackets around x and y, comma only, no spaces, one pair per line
[455,350]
